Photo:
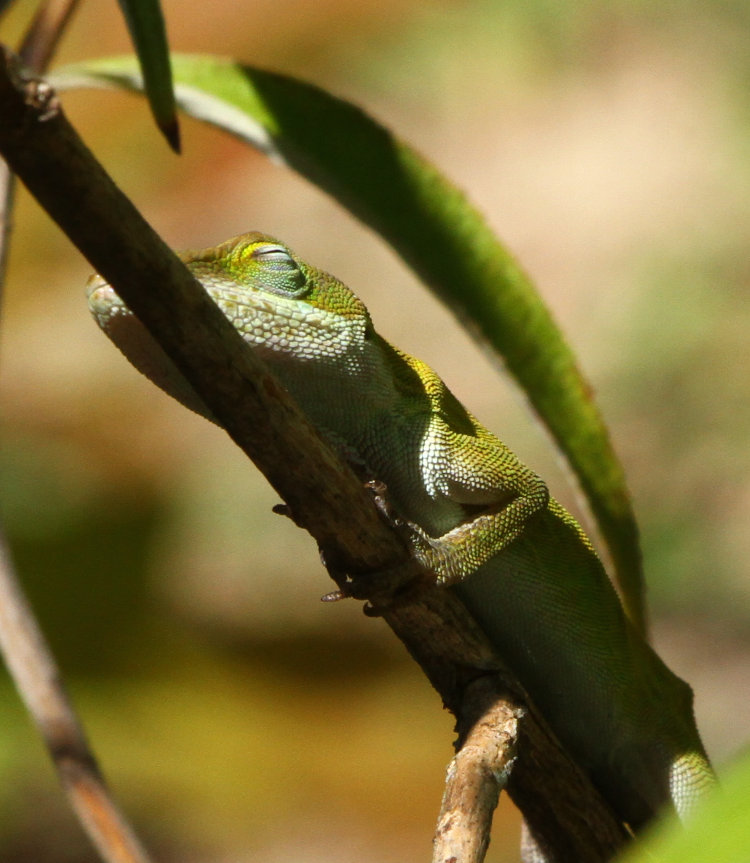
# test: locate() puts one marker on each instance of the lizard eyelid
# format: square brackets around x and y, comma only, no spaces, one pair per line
[271,254]
[281,273]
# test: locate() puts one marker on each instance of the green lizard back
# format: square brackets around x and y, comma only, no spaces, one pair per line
[547,605]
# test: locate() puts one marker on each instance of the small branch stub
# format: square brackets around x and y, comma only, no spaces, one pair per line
[476,776]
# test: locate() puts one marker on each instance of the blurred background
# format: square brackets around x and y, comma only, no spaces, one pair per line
[235,715]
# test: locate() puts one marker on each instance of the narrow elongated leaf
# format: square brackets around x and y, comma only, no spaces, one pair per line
[430,223]
[146,25]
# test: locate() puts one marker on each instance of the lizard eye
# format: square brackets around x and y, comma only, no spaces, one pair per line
[273,255]
[278,270]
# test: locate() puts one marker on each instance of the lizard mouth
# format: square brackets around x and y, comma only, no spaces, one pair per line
[129,335]
[94,283]
[103,301]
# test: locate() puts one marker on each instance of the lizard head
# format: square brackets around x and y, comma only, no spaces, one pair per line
[265,289]
[293,314]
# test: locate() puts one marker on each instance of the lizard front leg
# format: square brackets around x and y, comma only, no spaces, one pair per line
[497,508]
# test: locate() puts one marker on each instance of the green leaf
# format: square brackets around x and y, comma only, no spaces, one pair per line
[718,831]
[146,25]
[430,223]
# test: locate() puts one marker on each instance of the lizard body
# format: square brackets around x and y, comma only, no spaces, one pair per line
[483,522]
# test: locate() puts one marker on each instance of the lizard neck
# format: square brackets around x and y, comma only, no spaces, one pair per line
[361,386]
[380,407]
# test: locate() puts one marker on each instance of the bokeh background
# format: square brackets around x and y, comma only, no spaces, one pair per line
[237,717]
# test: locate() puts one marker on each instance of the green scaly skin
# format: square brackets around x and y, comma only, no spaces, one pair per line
[483,522]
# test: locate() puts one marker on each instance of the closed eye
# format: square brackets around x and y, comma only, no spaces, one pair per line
[276,256]
[277,270]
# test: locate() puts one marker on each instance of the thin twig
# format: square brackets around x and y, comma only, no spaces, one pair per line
[7,188]
[37,49]
[37,679]
[43,35]
[476,776]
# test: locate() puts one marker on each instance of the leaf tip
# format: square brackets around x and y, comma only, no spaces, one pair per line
[171,131]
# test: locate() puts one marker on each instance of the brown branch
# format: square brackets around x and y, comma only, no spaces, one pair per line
[322,492]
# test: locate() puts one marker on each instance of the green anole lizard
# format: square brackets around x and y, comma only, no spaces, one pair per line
[481,521]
